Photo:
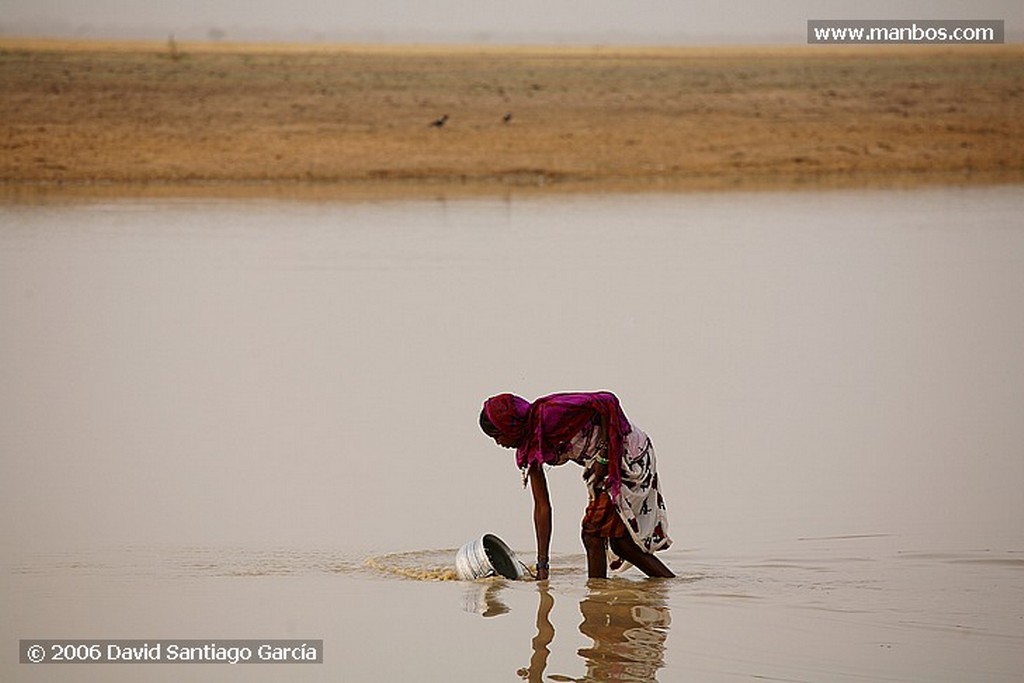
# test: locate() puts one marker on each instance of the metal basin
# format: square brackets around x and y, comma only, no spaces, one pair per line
[487,556]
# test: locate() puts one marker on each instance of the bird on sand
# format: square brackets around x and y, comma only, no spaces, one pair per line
[440,122]
[507,118]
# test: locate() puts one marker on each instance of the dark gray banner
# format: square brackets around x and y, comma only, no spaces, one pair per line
[171,651]
[909,31]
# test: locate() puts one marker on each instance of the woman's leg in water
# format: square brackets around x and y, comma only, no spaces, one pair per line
[597,556]
[626,548]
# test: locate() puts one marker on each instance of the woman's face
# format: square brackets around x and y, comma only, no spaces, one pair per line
[503,441]
[490,430]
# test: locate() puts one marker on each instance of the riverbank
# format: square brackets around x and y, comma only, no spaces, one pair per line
[120,117]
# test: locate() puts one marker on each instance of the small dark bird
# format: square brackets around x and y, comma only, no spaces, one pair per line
[507,118]
[440,122]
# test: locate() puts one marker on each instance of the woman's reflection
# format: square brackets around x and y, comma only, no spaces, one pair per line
[626,620]
[545,634]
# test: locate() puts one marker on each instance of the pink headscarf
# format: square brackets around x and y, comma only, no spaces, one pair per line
[542,430]
[509,414]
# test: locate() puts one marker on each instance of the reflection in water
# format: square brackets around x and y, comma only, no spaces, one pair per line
[629,626]
[541,641]
[484,598]
[627,622]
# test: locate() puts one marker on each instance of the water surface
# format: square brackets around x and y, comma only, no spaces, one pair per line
[258,419]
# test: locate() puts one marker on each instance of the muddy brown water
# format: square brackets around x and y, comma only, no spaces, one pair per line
[257,419]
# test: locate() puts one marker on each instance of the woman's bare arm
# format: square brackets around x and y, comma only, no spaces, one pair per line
[541,517]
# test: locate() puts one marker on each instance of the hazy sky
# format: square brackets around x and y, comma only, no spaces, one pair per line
[479,20]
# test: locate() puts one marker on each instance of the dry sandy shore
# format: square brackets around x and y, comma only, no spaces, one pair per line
[228,117]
